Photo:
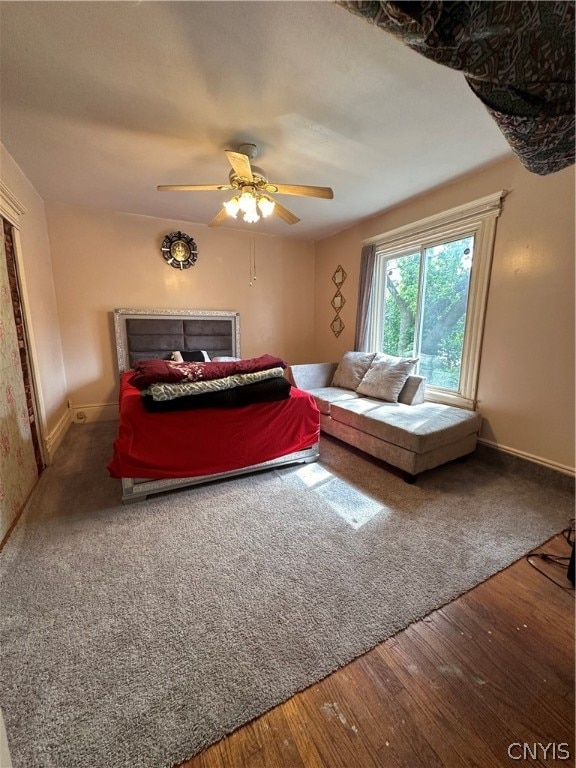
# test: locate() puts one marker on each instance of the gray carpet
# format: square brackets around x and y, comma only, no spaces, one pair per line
[137,635]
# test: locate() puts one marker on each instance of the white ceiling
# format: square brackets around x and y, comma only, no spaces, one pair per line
[102,101]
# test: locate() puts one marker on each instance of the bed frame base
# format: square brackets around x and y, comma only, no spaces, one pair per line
[134,489]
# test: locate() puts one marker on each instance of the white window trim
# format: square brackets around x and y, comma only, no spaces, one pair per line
[477,218]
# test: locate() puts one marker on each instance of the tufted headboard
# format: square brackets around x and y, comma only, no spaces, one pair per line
[150,333]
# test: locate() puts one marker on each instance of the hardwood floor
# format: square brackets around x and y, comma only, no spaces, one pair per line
[492,669]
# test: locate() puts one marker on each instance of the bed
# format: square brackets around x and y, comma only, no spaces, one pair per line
[156,452]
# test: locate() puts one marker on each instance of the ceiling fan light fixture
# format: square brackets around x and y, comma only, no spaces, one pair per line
[232,207]
[251,217]
[247,202]
[266,206]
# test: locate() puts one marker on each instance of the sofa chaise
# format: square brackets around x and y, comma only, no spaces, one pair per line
[389,420]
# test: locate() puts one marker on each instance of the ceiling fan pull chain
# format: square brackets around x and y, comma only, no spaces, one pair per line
[252,260]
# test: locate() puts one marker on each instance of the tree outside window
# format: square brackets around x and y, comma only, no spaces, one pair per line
[425,301]
[428,299]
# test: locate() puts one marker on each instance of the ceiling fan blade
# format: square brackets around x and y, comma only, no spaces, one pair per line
[192,187]
[220,218]
[285,214]
[302,191]
[241,164]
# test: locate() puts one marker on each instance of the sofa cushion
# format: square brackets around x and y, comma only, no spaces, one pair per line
[417,428]
[351,369]
[414,391]
[325,396]
[386,377]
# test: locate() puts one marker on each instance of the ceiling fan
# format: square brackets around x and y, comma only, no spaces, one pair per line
[252,198]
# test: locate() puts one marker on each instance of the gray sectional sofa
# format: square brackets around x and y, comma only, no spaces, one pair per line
[405,431]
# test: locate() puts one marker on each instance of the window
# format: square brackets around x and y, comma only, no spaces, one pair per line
[429,293]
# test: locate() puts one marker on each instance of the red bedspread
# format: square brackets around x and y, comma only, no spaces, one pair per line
[208,441]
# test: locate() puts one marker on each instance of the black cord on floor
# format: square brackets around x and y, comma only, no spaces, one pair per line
[558,560]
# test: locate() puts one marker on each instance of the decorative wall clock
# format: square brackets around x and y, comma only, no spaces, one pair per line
[179,250]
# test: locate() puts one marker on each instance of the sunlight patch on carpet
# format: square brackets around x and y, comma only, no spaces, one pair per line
[309,475]
[353,506]
[5,760]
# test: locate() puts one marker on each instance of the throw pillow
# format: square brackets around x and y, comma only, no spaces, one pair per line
[191,356]
[351,369]
[386,377]
[225,359]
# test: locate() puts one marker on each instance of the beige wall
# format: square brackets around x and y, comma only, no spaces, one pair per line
[104,260]
[526,384]
[36,276]
[101,260]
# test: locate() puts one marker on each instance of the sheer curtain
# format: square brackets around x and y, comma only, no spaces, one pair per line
[365,287]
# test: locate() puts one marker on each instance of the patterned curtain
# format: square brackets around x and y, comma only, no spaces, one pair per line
[517,57]
[20,456]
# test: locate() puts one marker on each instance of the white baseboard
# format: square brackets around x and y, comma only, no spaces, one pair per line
[53,440]
[529,457]
[85,414]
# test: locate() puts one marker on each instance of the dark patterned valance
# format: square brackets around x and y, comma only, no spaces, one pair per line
[517,57]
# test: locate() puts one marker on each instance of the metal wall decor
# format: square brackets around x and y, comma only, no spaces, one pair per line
[179,250]
[338,301]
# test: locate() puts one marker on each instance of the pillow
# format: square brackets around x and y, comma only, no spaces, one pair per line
[191,356]
[386,377]
[225,359]
[351,369]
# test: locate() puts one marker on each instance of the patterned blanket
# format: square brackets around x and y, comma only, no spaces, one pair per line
[517,57]
[165,391]
[267,391]
[148,372]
